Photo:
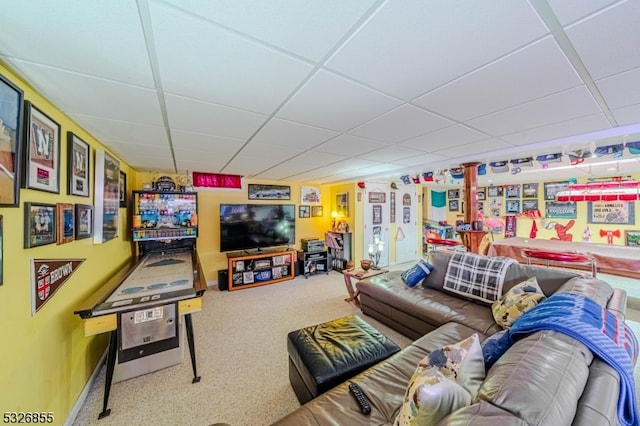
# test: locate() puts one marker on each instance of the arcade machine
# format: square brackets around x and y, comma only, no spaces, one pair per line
[142,305]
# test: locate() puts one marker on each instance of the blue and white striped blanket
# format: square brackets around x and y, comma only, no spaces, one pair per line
[589,323]
[476,276]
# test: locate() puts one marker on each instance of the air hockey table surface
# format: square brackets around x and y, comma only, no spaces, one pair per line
[158,277]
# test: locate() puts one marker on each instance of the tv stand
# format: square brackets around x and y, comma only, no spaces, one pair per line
[262,268]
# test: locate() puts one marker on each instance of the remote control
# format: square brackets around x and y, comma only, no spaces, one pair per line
[363,401]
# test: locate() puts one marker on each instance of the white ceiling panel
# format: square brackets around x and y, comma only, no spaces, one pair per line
[203,117]
[307,28]
[349,145]
[538,70]
[449,136]
[103,39]
[331,91]
[223,67]
[400,49]
[402,123]
[567,105]
[621,90]
[287,133]
[607,42]
[332,102]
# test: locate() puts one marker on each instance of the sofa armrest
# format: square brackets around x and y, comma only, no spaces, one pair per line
[618,303]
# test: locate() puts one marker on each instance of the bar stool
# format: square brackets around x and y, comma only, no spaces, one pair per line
[436,243]
[562,257]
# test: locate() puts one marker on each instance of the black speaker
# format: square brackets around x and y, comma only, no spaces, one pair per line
[223,279]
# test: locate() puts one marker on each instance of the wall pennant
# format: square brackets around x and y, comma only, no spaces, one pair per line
[47,276]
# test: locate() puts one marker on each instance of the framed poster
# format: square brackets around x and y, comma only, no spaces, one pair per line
[631,238]
[65,225]
[377,197]
[304,211]
[11,141]
[377,214]
[342,204]
[555,210]
[107,200]
[42,168]
[84,221]
[481,192]
[529,190]
[122,189]
[454,205]
[512,191]
[611,212]
[495,191]
[512,206]
[39,224]
[552,188]
[316,211]
[310,195]
[78,157]
[529,205]
[269,192]
[453,193]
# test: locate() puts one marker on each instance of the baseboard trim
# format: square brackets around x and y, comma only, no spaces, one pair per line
[85,391]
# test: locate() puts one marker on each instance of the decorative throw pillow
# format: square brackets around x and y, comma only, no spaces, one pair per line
[416,273]
[516,302]
[444,381]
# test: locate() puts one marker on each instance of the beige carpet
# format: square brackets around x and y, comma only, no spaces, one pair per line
[242,358]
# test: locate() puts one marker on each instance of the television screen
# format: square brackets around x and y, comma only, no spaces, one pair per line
[253,226]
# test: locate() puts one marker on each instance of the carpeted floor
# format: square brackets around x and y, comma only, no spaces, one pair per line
[242,358]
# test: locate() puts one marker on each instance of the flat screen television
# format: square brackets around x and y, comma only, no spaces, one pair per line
[255,226]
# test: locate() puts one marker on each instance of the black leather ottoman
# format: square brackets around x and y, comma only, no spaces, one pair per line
[325,355]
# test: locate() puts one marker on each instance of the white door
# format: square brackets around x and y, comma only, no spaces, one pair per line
[407,224]
[376,221]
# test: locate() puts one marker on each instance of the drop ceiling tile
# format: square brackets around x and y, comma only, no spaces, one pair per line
[587,123]
[421,160]
[390,153]
[602,40]
[127,150]
[308,29]
[351,164]
[228,69]
[213,147]
[449,136]
[112,131]
[568,12]
[477,150]
[627,115]
[102,39]
[349,145]
[621,90]
[402,123]
[332,102]
[197,165]
[537,70]
[287,133]
[202,117]
[556,108]
[76,93]
[400,50]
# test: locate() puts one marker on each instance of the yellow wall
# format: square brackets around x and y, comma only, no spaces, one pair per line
[46,360]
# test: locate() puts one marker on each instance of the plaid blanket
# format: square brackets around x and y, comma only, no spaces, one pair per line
[477,277]
[586,321]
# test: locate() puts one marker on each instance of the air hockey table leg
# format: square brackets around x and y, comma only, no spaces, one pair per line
[192,347]
[111,363]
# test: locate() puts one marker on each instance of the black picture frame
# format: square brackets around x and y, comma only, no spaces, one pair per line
[512,191]
[454,205]
[495,191]
[84,221]
[122,190]
[530,190]
[529,205]
[631,238]
[268,192]
[40,222]
[42,151]
[78,166]
[481,192]
[317,211]
[304,212]
[11,142]
[552,188]
[453,193]
[512,206]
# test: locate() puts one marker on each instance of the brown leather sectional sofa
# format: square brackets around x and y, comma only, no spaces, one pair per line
[546,378]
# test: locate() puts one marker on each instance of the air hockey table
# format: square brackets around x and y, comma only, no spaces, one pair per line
[141,305]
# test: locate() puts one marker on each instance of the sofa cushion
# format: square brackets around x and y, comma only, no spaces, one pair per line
[516,301]
[444,381]
[416,273]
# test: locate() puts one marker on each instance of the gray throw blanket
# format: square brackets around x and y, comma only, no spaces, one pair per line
[477,277]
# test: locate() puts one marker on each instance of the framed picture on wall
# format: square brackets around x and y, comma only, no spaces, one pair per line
[78,158]
[512,191]
[304,211]
[552,188]
[529,190]
[317,211]
[495,191]
[454,205]
[512,206]
[107,202]
[269,192]
[42,151]
[122,190]
[631,238]
[611,212]
[39,224]
[342,204]
[529,205]
[453,193]
[65,225]
[11,142]
[84,221]
[481,192]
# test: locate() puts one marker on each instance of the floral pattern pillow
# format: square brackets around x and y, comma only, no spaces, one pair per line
[445,380]
[516,302]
